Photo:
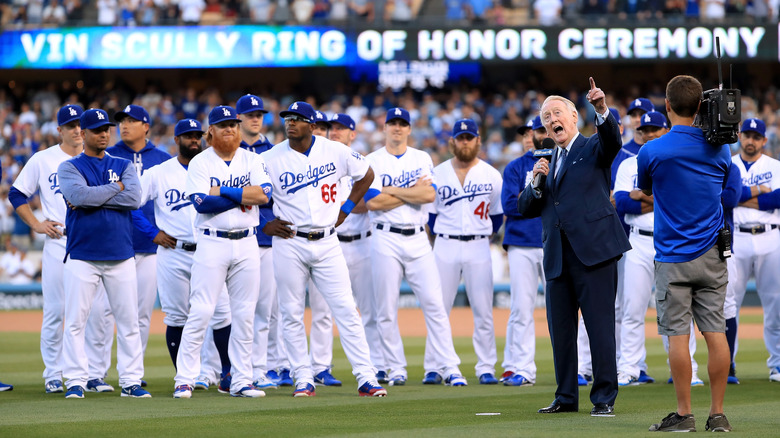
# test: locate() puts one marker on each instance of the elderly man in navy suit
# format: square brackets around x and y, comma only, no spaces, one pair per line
[583,240]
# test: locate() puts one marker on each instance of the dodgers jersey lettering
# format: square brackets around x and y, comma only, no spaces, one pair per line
[165,185]
[625,181]
[306,186]
[764,171]
[208,170]
[403,171]
[40,173]
[466,209]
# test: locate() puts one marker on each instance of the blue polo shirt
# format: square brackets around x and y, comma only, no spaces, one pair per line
[687,177]
[519,230]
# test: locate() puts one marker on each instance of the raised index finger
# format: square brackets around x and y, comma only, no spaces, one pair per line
[592,83]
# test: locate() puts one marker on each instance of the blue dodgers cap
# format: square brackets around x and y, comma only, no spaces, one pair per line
[398,113]
[319,117]
[69,113]
[249,103]
[223,113]
[641,104]
[537,123]
[94,118]
[187,125]
[465,126]
[523,128]
[134,111]
[344,120]
[653,118]
[299,108]
[755,125]
[616,115]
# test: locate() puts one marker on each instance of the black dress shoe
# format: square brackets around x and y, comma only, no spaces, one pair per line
[602,410]
[558,407]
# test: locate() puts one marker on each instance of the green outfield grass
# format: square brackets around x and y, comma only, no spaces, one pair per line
[412,410]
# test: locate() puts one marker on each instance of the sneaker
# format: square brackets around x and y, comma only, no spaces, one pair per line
[432,378]
[455,380]
[135,391]
[518,380]
[381,376]
[224,383]
[7,387]
[273,376]
[644,378]
[75,392]
[248,391]
[99,385]
[696,381]
[675,423]
[284,378]
[488,379]
[774,374]
[304,389]
[371,389]
[718,423]
[202,382]
[506,375]
[327,379]
[584,379]
[263,382]
[397,381]
[625,379]
[52,386]
[183,391]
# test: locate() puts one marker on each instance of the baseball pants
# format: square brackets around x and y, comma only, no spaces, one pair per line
[266,303]
[525,272]
[146,274]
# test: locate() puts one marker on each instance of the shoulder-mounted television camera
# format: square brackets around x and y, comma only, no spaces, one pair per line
[721,111]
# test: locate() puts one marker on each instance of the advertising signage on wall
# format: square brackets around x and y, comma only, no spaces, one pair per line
[307,46]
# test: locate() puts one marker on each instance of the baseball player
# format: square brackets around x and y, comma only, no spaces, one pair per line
[523,243]
[397,200]
[305,170]
[757,233]
[467,211]
[40,175]
[101,190]
[730,200]
[164,186]
[268,340]
[225,184]
[134,123]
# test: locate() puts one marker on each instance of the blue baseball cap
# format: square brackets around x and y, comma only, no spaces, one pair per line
[319,117]
[653,118]
[134,111]
[69,113]
[187,125]
[523,128]
[641,104]
[344,120]
[223,113]
[249,103]
[94,118]
[755,125]
[398,113]
[537,123]
[465,126]
[299,108]
[616,115]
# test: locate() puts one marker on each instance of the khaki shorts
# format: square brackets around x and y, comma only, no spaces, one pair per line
[696,288]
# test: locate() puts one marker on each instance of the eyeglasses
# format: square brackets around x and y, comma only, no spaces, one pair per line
[296,118]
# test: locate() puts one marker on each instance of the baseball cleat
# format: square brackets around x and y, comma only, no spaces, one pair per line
[52,386]
[371,389]
[644,378]
[506,375]
[248,391]
[488,379]
[518,380]
[381,376]
[774,374]
[432,378]
[273,376]
[135,391]
[182,391]
[202,382]
[284,378]
[456,380]
[264,382]
[732,379]
[99,385]
[397,381]
[304,389]
[75,392]
[7,387]
[327,379]
[584,379]
[625,379]
[224,383]
[696,381]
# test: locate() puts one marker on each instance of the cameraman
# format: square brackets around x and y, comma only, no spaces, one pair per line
[686,176]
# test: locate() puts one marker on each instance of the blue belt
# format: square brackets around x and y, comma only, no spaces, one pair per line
[232,235]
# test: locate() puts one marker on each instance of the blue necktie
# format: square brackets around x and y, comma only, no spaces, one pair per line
[561,161]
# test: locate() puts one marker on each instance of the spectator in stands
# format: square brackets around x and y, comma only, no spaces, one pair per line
[191,11]
[74,11]
[339,11]
[15,267]
[127,10]
[454,10]
[548,12]
[674,11]
[594,8]
[321,12]
[713,11]
[398,11]
[34,12]
[54,13]
[107,12]
[146,13]
[363,9]
[758,9]
[302,11]
[261,11]
[475,10]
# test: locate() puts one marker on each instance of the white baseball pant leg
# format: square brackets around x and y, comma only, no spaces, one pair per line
[99,335]
[265,305]
[321,332]
[525,272]
[639,267]
[53,308]
[584,362]
[146,269]
[173,278]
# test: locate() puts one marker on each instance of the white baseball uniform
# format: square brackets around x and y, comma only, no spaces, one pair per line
[757,250]
[305,194]
[400,247]
[227,253]
[462,248]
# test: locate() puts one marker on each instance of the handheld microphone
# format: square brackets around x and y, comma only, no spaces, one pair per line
[547,152]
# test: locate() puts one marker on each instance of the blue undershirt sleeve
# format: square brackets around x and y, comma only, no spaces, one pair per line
[431,221]
[625,205]
[268,189]
[16,197]
[211,204]
[371,194]
[498,220]
[769,201]
[142,224]
[235,194]
[745,195]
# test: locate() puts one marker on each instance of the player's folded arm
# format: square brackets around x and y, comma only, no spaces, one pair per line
[206,204]
[75,190]
[130,197]
[625,205]
[769,201]
[249,195]
[376,200]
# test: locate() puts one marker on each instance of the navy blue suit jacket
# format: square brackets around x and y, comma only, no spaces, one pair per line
[577,203]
